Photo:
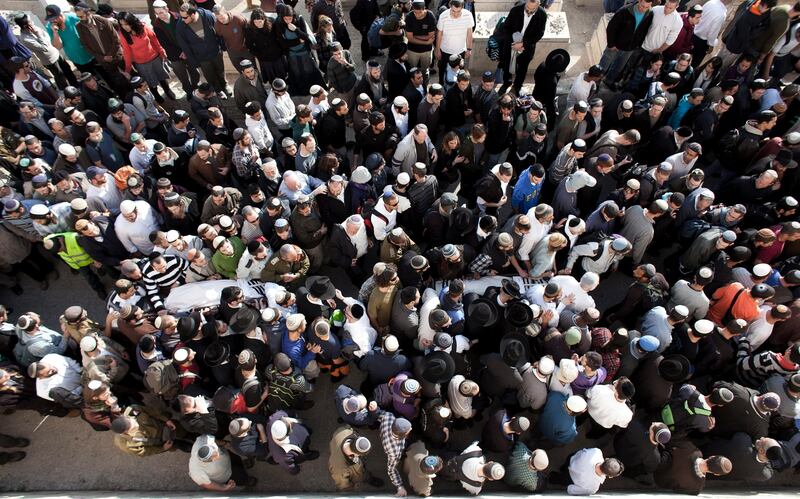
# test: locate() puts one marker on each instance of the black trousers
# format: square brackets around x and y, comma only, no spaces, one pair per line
[63,73]
[521,64]
[699,49]
[238,473]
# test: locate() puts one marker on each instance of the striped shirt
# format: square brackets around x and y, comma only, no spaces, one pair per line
[754,369]
[155,280]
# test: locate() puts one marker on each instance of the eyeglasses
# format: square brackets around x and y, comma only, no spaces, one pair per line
[185,17]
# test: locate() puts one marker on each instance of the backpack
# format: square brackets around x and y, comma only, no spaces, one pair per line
[635,171]
[374,33]
[366,211]
[161,378]
[495,40]
[654,297]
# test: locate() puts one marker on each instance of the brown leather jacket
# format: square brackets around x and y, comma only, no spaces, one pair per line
[100,38]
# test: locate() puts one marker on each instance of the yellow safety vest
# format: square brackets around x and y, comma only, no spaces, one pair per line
[72,253]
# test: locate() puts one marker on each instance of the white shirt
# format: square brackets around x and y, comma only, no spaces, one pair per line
[401,122]
[679,166]
[582,466]
[664,29]
[760,329]
[141,160]
[318,109]
[135,236]
[605,409]
[571,286]
[217,471]
[68,376]
[380,227]
[714,13]
[470,469]
[535,296]
[459,404]
[361,332]
[529,240]
[249,267]
[454,31]
[259,130]
[281,109]
[581,90]
[108,192]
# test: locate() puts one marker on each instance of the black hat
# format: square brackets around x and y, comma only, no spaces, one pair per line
[224,398]
[674,368]
[216,354]
[514,349]
[481,312]
[244,320]
[321,287]
[438,367]
[557,60]
[186,328]
[510,287]
[518,314]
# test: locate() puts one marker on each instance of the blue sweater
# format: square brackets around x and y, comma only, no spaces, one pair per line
[554,423]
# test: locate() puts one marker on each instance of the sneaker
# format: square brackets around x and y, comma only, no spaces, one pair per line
[21,442]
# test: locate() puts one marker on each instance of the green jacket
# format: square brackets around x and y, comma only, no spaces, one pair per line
[226,265]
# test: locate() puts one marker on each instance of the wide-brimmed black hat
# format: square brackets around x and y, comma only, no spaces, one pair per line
[438,367]
[244,320]
[216,354]
[518,314]
[514,349]
[558,55]
[481,312]
[321,287]
[674,368]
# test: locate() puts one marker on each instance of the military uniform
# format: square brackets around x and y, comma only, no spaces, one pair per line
[276,268]
[147,439]
[346,471]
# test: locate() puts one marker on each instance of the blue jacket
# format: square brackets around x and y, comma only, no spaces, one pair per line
[526,195]
[198,49]
[680,111]
[364,417]
[554,423]
[297,351]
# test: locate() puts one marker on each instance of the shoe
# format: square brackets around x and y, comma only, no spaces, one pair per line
[55,274]
[12,457]
[248,463]
[251,481]
[312,455]
[17,289]
[21,442]
[169,93]
[374,481]
[222,95]
[44,284]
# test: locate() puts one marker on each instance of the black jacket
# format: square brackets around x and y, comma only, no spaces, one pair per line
[396,78]
[110,250]
[455,103]
[341,248]
[513,24]
[331,130]
[622,33]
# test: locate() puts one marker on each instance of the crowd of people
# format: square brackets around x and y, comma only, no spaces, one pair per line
[486,231]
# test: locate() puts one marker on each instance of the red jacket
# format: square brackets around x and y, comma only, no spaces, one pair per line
[683,44]
[143,48]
